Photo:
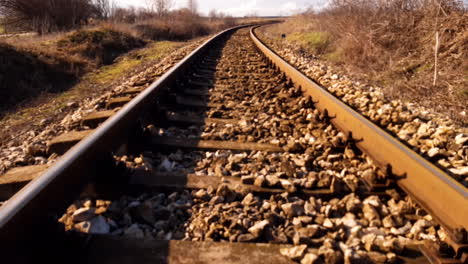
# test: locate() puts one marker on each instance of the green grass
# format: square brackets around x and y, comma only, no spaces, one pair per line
[335,56]
[154,51]
[423,68]
[316,41]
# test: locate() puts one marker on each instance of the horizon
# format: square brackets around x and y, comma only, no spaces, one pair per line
[242,8]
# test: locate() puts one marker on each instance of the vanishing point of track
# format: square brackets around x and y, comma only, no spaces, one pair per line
[235,145]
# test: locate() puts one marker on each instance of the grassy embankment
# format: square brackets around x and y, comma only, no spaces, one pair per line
[40,78]
[394,49]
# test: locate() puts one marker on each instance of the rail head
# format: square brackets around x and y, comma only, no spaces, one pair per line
[60,184]
[437,192]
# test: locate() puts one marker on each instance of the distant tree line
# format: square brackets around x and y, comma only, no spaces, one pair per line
[45,16]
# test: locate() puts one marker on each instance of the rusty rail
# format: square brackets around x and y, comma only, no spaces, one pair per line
[442,196]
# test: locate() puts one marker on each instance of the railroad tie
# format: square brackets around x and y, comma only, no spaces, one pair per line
[94,119]
[64,142]
[132,91]
[192,102]
[110,249]
[187,119]
[117,102]
[179,180]
[15,179]
[190,143]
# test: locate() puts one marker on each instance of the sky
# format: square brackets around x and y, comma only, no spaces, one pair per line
[243,7]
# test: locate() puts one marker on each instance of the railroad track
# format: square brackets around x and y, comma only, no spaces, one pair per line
[232,156]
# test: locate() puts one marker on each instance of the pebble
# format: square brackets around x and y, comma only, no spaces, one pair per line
[83,214]
[134,231]
[310,258]
[258,228]
[294,253]
[96,225]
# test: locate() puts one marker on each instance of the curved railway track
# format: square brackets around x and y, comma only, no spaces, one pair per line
[232,145]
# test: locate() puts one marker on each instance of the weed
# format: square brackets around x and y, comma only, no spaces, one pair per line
[317,42]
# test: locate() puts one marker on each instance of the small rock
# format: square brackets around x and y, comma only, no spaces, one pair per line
[391,257]
[201,194]
[271,180]
[260,181]
[134,231]
[216,200]
[258,228]
[461,171]
[244,238]
[293,147]
[370,213]
[288,186]
[303,235]
[331,256]
[377,257]
[144,212]
[461,139]
[166,165]
[293,209]
[309,258]
[288,168]
[96,225]
[225,192]
[83,214]
[294,253]
[248,199]
[138,160]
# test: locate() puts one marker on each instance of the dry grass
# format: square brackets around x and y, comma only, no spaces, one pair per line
[51,105]
[35,65]
[53,64]
[393,48]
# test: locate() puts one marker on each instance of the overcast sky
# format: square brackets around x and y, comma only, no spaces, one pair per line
[244,7]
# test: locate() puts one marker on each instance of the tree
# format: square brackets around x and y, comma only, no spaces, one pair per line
[104,8]
[160,7]
[192,6]
[48,15]
[213,15]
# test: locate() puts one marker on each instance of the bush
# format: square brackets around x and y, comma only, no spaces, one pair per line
[101,45]
[44,16]
[391,43]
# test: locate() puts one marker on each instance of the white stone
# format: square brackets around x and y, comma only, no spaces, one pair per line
[461,171]
[294,253]
[257,229]
[309,258]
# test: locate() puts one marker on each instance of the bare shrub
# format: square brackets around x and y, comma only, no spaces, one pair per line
[45,16]
[392,42]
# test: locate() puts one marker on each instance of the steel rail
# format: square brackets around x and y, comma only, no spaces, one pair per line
[56,188]
[437,192]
